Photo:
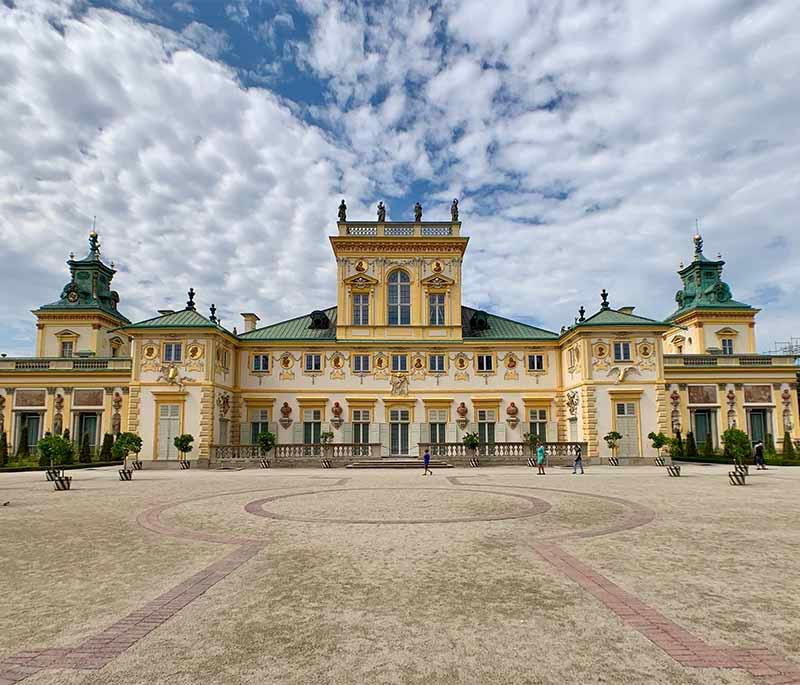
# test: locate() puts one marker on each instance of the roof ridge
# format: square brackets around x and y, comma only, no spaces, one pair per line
[285,321]
[514,321]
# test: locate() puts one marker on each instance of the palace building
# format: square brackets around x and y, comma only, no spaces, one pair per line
[399,362]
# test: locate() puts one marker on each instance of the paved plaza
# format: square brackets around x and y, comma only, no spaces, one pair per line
[491,575]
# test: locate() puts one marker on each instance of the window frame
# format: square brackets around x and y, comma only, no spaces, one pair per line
[536,356]
[397,356]
[361,356]
[484,356]
[359,310]
[437,313]
[437,355]
[729,345]
[622,346]
[311,355]
[257,360]
[71,344]
[397,285]
[171,358]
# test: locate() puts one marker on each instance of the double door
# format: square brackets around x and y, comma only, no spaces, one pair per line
[169,426]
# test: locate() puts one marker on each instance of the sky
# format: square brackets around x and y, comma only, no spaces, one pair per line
[214,139]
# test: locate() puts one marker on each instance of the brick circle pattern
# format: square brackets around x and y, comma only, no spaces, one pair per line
[531,506]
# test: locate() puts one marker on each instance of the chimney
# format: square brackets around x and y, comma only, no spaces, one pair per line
[164,312]
[626,310]
[250,320]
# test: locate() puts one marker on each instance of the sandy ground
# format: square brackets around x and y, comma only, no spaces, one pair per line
[391,577]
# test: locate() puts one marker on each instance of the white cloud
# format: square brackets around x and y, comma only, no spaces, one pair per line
[205,40]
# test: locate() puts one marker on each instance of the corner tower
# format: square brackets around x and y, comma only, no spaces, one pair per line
[399,280]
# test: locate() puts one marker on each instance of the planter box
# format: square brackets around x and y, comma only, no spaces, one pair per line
[674,470]
[737,478]
[52,474]
[126,474]
[137,465]
[63,482]
[185,464]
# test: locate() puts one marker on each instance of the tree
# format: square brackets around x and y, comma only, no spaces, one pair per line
[3,449]
[266,442]
[22,446]
[679,449]
[612,438]
[85,453]
[708,446]
[125,444]
[737,445]
[54,451]
[769,447]
[691,446]
[183,443]
[658,440]
[471,441]
[326,437]
[788,446]
[105,450]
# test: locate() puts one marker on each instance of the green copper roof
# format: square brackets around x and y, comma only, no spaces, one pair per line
[614,317]
[500,328]
[703,287]
[295,329]
[186,318]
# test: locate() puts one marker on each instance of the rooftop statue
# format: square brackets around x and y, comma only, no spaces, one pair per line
[342,211]
[454,210]
[381,212]
[418,212]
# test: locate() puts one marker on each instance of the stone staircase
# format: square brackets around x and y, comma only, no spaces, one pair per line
[397,463]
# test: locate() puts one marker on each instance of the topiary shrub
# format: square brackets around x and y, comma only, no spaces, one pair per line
[658,440]
[266,442]
[788,446]
[737,445]
[708,446]
[125,444]
[105,449]
[22,446]
[183,443]
[54,451]
[691,446]
[85,453]
[3,449]
[532,439]
[471,441]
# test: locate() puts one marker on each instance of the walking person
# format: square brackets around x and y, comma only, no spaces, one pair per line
[758,450]
[540,460]
[578,460]
[426,459]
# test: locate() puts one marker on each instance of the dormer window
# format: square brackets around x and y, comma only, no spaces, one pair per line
[727,345]
[67,348]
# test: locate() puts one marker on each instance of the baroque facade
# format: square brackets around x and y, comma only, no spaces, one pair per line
[398,362]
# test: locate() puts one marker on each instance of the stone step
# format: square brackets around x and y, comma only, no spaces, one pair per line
[397,464]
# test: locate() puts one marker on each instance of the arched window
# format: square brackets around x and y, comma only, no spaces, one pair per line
[399,299]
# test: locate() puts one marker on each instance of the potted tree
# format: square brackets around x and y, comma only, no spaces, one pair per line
[123,446]
[532,442]
[266,443]
[738,448]
[658,440]
[326,438]
[55,452]
[612,439]
[691,446]
[471,442]
[183,443]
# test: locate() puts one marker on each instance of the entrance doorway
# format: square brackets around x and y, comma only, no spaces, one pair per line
[169,426]
[628,427]
[87,423]
[759,425]
[704,426]
[33,422]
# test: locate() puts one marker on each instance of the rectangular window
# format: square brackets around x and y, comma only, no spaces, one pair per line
[259,425]
[399,363]
[66,349]
[313,362]
[727,346]
[535,362]
[312,428]
[361,310]
[538,423]
[172,352]
[485,362]
[436,309]
[486,423]
[436,363]
[571,357]
[622,351]
[398,423]
[261,363]
[361,363]
[361,432]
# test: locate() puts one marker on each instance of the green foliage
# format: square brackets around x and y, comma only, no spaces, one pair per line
[691,446]
[708,446]
[612,438]
[675,447]
[54,450]
[680,448]
[65,435]
[769,447]
[106,448]
[326,437]
[183,443]
[658,440]
[125,444]
[471,441]
[532,439]
[788,446]
[3,449]
[22,445]
[737,445]
[85,452]
[266,441]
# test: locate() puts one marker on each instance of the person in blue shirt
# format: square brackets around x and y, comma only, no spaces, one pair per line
[540,460]
[426,459]
[578,460]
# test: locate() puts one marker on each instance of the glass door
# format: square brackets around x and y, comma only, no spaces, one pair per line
[398,422]
[758,426]
[702,428]
[87,425]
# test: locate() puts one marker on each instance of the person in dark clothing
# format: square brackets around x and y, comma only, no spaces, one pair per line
[578,460]
[758,450]
[426,459]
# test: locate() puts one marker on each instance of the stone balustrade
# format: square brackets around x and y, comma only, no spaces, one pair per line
[66,364]
[728,360]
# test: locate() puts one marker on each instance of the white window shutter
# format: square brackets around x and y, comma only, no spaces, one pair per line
[374,433]
[347,432]
[297,433]
[273,428]
[451,432]
[325,427]
[245,433]
[552,431]
[413,442]
[500,432]
[425,432]
[385,439]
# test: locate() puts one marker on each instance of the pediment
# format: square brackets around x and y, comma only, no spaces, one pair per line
[66,333]
[727,331]
[437,281]
[361,280]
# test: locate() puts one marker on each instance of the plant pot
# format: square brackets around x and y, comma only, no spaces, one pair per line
[52,474]
[674,470]
[265,463]
[125,474]
[737,478]
[137,465]
[63,482]
[185,464]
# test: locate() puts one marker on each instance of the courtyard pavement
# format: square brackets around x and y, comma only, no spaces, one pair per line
[490,575]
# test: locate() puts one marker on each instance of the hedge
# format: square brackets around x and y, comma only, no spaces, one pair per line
[68,467]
